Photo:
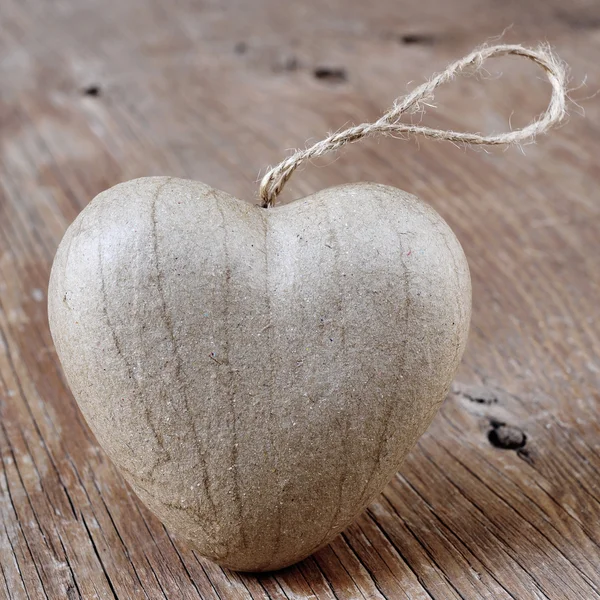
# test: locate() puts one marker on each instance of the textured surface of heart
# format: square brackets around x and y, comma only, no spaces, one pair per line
[258,375]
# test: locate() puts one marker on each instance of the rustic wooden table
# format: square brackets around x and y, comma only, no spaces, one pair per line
[93,93]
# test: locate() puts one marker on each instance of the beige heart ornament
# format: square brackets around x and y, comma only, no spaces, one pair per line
[258,374]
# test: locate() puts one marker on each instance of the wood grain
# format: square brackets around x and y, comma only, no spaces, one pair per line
[94,93]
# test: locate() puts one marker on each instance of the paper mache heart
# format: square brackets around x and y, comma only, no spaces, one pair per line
[258,375]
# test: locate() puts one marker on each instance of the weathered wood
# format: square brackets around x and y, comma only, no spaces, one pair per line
[95,93]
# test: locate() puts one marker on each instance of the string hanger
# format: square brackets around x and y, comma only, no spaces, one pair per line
[390,124]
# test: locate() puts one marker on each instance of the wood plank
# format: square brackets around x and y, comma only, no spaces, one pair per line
[96,93]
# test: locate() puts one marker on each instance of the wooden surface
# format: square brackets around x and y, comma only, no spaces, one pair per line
[93,93]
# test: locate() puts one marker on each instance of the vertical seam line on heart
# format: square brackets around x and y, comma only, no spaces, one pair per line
[168,321]
[225,365]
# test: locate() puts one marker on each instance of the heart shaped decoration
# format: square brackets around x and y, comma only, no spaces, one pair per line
[258,375]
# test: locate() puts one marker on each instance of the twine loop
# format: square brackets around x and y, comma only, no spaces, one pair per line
[389,124]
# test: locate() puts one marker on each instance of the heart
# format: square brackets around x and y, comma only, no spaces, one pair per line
[258,375]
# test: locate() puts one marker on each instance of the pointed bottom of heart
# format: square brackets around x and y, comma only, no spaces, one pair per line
[241,552]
